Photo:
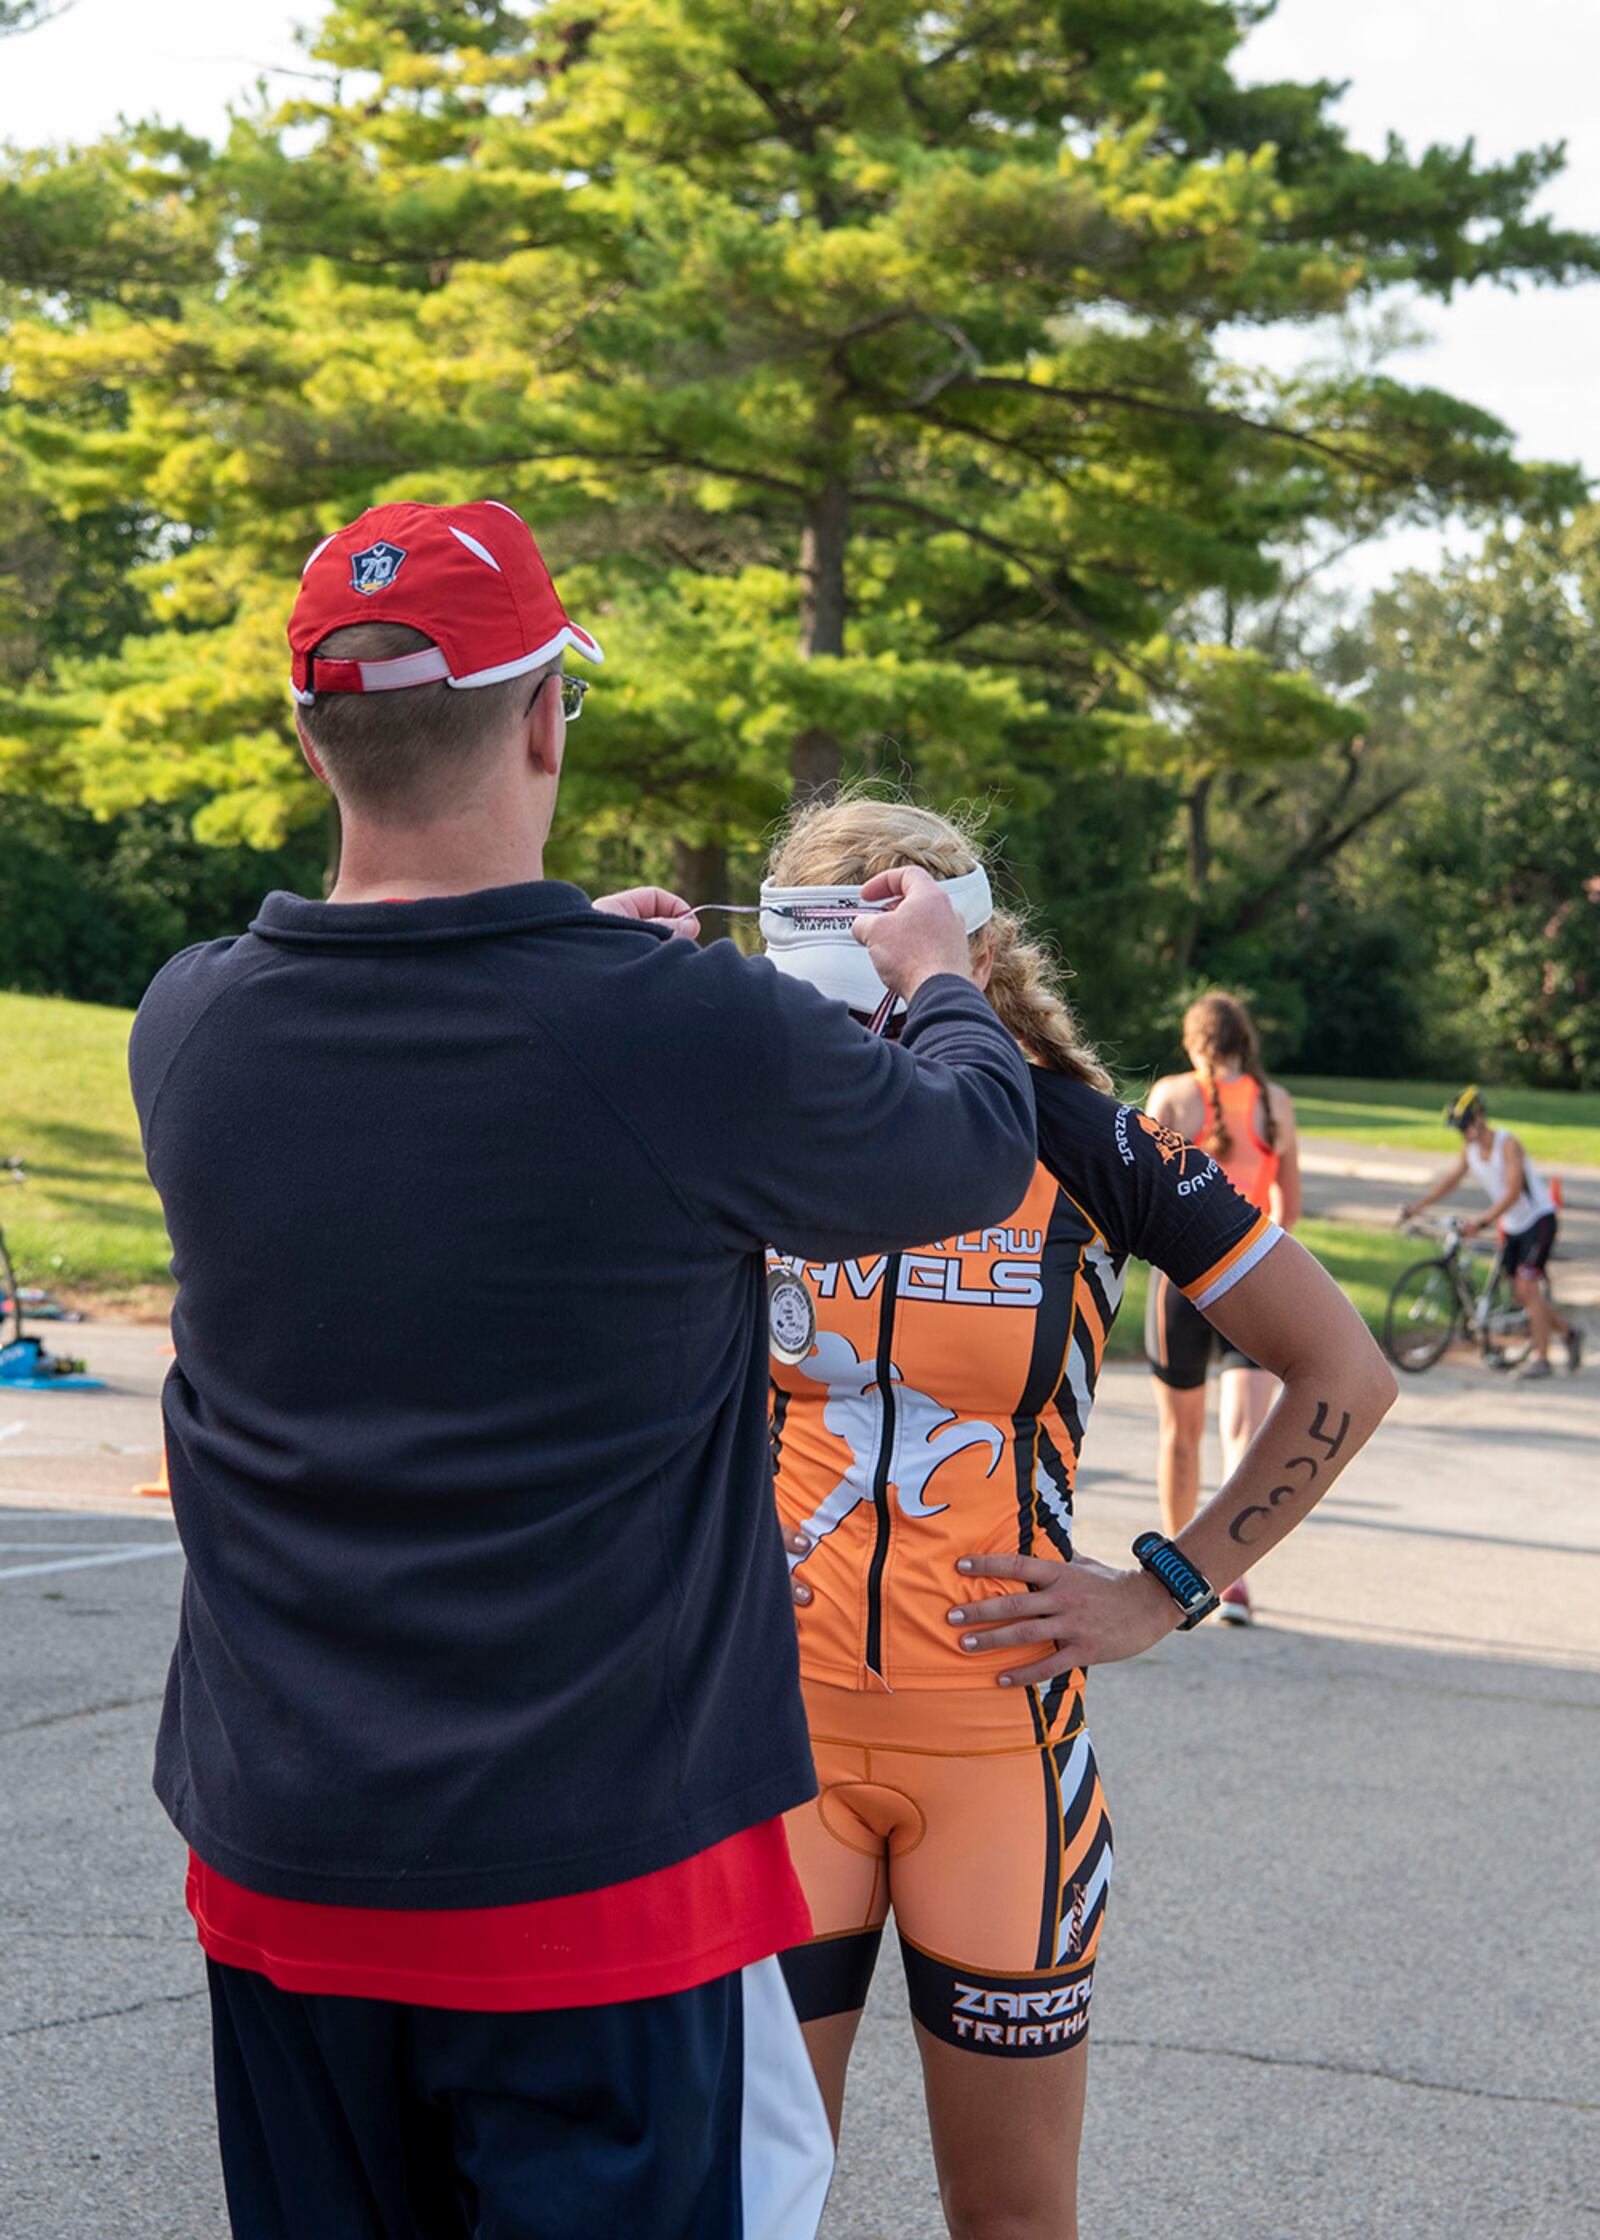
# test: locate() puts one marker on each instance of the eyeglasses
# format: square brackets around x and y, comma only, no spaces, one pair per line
[572,692]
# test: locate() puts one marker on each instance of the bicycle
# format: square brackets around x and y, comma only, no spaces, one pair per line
[11,1170]
[1435,1302]
[24,1361]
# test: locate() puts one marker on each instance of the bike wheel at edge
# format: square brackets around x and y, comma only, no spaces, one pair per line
[1421,1317]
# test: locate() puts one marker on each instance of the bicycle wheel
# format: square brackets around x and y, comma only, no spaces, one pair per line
[1421,1316]
[1504,1328]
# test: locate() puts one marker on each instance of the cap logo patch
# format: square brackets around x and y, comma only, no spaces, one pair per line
[376,568]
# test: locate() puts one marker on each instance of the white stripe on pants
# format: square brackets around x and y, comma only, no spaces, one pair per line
[786,2149]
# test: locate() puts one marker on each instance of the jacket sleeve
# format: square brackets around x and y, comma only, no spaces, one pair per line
[827,1141]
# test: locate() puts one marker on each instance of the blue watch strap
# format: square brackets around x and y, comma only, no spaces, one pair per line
[1189,1588]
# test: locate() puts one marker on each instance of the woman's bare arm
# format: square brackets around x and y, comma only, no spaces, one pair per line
[1289,1315]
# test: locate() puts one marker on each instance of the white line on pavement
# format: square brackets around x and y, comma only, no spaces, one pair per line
[85,1563]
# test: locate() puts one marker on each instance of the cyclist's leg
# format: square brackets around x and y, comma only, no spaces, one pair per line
[840,1853]
[999,1909]
[1247,1397]
[1526,1256]
[1177,1345]
[1182,1415]
[1534,1301]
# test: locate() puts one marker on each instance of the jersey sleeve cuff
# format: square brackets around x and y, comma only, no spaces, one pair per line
[1248,1253]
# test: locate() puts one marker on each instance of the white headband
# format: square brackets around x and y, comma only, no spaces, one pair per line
[806,932]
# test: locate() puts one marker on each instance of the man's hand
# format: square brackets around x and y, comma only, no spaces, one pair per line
[918,939]
[652,906]
[1086,1612]
[1474,1228]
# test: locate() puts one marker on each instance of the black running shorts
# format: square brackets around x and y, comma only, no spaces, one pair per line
[1179,1342]
[1529,1249]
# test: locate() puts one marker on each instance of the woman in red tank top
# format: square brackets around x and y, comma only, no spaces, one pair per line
[1228,1107]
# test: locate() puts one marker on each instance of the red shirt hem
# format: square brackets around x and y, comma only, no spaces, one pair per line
[721,1910]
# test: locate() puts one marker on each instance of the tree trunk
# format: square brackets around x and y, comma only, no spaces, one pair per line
[700,874]
[1196,805]
[816,758]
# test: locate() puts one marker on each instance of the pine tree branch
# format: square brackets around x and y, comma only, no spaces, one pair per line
[1055,599]
[1211,416]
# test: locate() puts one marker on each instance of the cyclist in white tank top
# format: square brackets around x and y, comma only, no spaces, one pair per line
[1521,1202]
[1489,1164]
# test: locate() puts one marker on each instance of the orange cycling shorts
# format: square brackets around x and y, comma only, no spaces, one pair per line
[991,1844]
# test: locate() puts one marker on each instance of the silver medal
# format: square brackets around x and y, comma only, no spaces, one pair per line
[791,1315]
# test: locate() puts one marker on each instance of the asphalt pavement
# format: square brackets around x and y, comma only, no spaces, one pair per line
[1348,1979]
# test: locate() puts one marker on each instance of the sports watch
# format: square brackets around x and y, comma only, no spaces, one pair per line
[1191,1590]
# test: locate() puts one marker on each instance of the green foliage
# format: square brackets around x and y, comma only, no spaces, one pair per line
[22,15]
[862,380]
[1488,677]
[93,908]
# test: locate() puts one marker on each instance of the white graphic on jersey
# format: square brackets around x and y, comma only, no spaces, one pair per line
[1113,1276]
[1052,1496]
[855,1414]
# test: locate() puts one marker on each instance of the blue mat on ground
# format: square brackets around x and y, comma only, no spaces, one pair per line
[51,1384]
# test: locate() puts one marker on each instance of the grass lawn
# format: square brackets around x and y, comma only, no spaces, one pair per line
[1554,1125]
[1364,1262]
[86,1219]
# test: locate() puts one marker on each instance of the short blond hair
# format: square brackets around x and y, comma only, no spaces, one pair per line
[849,840]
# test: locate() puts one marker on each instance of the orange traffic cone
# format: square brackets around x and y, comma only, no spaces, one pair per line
[161,1490]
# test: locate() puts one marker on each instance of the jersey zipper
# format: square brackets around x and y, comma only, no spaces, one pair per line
[880,1475]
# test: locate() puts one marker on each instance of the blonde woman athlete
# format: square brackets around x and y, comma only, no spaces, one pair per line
[1225,1105]
[928,1412]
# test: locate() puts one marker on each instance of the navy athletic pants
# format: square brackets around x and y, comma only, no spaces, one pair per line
[693,2117]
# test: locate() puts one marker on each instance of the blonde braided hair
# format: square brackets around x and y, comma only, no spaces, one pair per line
[846,841]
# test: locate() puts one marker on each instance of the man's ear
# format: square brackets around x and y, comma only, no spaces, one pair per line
[547,729]
[308,750]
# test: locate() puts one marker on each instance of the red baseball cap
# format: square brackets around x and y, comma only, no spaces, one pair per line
[469,577]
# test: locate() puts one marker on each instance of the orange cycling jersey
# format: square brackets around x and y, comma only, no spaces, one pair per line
[942,1407]
[1249,1164]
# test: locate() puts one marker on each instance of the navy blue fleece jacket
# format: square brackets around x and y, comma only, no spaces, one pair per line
[468,1199]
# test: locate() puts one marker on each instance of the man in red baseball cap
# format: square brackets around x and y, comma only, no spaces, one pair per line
[485,1711]
[421,634]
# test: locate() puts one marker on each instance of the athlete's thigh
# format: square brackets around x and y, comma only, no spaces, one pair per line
[1181,1411]
[842,1861]
[1006,2136]
[1247,1397]
[1000,1903]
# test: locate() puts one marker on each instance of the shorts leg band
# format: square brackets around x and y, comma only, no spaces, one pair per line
[832,1974]
[1046,2011]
